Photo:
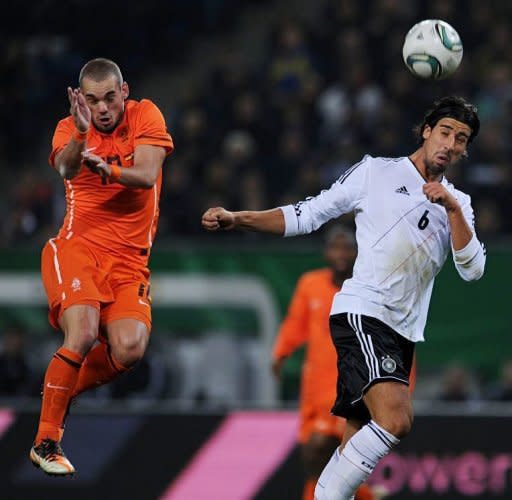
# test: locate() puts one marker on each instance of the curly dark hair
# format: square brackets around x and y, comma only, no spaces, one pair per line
[455,107]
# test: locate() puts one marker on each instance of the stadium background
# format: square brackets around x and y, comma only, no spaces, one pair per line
[268,101]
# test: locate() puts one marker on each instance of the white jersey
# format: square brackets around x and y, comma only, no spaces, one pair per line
[403,240]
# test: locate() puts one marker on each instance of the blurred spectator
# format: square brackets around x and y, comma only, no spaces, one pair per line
[291,65]
[252,194]
[15,376]
[457,385]
[180,201]
[503,389]
[32,200]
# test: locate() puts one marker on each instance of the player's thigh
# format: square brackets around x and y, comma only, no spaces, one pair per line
[72,275]
[80,324]
[390,406]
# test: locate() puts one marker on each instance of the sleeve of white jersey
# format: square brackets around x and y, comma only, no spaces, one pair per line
[342,197]
[470,260]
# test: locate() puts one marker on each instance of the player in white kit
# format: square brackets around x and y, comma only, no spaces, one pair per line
[408,218]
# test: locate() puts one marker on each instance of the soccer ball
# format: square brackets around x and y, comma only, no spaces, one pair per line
[432,49]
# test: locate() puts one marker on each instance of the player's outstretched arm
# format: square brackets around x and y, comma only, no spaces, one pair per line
[303,217]
[265,221]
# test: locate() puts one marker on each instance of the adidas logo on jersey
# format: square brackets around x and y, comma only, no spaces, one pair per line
[402,190]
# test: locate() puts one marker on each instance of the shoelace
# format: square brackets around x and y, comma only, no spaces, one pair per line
[50,449]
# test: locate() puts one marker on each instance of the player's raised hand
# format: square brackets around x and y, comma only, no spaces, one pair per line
[79,110]
[437,193]
[218,218]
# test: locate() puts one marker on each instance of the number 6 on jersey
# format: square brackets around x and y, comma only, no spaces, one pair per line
[423,222]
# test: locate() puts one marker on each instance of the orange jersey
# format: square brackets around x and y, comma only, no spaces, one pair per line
[307,322]
[111,216]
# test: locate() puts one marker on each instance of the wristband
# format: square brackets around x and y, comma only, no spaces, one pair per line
[79,136]
[115,173]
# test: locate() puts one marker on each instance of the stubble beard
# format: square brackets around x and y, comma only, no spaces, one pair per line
[110,129]
[434,170]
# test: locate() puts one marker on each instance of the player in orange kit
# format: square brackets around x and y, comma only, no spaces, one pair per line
[307,322]
[110,152]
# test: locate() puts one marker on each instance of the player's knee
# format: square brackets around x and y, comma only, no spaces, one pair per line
[402,426]
[80,339]
[399,424]
[129,349]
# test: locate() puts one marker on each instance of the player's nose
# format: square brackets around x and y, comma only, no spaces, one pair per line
[449,144]
[102,107]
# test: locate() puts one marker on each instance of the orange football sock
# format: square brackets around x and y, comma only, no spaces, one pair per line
[59,382]
[98,368]
[309,490]
[364,493]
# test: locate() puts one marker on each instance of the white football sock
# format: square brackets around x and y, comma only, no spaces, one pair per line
[326,474]
[357,461]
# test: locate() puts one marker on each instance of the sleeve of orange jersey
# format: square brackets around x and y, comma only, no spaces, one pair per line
[293,332]
[151,129]
[61,138]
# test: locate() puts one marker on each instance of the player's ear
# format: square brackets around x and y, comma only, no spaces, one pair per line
[125,90]
[427,130]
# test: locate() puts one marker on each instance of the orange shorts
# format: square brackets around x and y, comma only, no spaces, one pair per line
[317,418]
[74,273]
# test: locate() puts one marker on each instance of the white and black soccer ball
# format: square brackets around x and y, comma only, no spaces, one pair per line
[432,49]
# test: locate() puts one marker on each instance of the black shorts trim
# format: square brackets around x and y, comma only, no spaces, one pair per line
[369,352]
[376,381]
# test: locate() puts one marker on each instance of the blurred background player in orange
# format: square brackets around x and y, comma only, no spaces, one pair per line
[109,152]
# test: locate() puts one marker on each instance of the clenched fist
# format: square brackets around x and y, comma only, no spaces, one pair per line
[218,218]
[437,193]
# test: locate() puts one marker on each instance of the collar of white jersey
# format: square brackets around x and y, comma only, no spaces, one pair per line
[443,181]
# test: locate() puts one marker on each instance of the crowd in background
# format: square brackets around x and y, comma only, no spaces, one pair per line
[324,92]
